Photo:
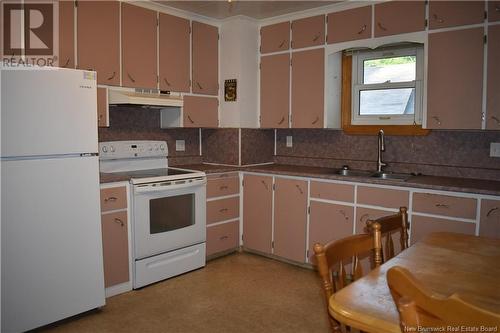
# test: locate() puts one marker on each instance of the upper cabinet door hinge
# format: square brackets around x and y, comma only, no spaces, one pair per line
[260,49]
[486,15]
[326,18]
[426,23]
[260,65]
[241,237]
[309,210]
[157,79]
[76,3]
[485,39]
[274,187]
[307,253]
[291,44]
[291,26]
[157,22]
[190,29]
[242,182]
[290,61]
[218,36]
[272,244]
[260,119]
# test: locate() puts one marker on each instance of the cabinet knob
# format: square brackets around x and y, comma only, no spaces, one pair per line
[199,85]
[113,76]
[299,188]
[223,237]
[496,119]
[282,43]
[130,77]
[381,26]
[166,81]
[491,211]
[265,185]
[362,29]
[66,63]
[119,221]
[191,120]
[316,37]
[437,18]
[223,187]
[497,9]
[281,121]
[223,210]
[442,205]
[315,121]
[112,199]
[437,120]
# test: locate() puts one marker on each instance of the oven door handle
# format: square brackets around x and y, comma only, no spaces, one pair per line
[149,188]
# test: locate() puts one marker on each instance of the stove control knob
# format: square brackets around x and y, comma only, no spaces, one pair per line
[112,149]
[162,147]
[104,149]
[156,147]
[150,148]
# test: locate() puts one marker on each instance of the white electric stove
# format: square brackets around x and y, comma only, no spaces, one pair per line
[168,209]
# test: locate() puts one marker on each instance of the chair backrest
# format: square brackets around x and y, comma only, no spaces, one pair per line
[420,307]
[389,225]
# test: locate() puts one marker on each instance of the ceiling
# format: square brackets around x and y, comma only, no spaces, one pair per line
[255,9]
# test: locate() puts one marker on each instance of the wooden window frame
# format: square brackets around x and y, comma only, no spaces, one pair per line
[346,109]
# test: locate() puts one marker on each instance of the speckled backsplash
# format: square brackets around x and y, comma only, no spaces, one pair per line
[441,153]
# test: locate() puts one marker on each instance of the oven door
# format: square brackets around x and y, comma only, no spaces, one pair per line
[168,216]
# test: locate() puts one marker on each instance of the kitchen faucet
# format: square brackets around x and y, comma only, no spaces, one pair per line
[381,148]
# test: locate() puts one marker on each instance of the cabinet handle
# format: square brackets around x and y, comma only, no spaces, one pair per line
[119,221]
[381,26]
[265,185]
[491,211]
[281,121]
[223,210]
[342,212]
[282,43]
[362,29]
[191,120]
[315,121]
[437,19]
[112,199]
[223,187]
[166,81]
[363,218]
[130,77]
[223,237]
[113,76]
[66,63]
[497,9]
[199,85]
[437,120]
[316,37]
[496,119]
[299,188]
[442,205]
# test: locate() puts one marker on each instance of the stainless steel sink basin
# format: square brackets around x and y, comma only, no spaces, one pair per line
[391,176]
[353,173]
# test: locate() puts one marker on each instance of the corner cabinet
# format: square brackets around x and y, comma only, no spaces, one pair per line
[205,45]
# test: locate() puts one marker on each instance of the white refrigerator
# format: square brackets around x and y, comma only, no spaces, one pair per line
[51,247]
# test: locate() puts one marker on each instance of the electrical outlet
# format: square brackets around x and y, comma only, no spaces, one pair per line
[180,145]
[495,149]
[289,141]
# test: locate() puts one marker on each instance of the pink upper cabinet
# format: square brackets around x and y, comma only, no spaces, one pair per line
[349,25]
[493,93]
[444,14]
[98,39]
[67,34]
[200,111]
[455,79]
[275,37]
[205,59]
[274,90]
[308,32]
[493,11]
[308,82]
[174,53]
[399,17]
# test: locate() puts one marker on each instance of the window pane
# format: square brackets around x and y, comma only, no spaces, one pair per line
[396,69]
[387,102]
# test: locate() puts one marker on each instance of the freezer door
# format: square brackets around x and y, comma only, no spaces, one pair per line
[51,243]
[48,112]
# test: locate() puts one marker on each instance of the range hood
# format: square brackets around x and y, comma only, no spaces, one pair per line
[143,97]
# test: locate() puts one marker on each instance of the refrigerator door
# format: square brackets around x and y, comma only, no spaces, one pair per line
[48,112]
[51,243]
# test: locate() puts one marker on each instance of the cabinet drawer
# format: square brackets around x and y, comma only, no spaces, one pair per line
[489,225]
[218,187]
[423,225]
[222,237]
[331,191]
[445,205]
[382,197]
[115,248]
[224,209]
[113,198]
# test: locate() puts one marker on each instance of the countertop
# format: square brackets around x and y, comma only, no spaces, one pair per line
[467,185]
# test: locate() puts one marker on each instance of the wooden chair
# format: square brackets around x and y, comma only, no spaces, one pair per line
[332,257]
[389,225]
[420,307]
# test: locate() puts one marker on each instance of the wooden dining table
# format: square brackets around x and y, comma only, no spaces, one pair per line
[446,263]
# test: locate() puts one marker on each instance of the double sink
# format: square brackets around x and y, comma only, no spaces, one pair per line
[380,175]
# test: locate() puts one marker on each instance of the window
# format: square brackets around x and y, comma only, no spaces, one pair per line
[387,86]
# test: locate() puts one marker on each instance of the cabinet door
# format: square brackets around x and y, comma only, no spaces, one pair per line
[98,39]
[493,93]
[290,219]
[200,111]
[174,53]
[444,14]
[308,32]
[257,212]
[349,25]
[205,59]
[423,225]
[275,37]
[115,248]
[489,225]
[222,237]
[274,90]
[328,222]
[308,89]
[399,17]
[493,11]
[138,47]
[67,34]
[102,107]
[455,79]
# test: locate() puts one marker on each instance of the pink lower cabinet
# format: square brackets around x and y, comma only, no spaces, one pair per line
[332,191]
[222,237]
[223,209]
[382,197]
[489,224]
[257,212]
[115,248]
[328,222]
[423,225]
[290,218]
[445,205]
